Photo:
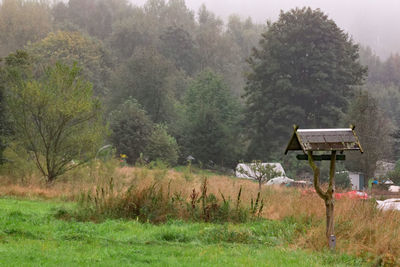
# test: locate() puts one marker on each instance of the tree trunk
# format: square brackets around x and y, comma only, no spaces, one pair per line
[330,225]
[51,176]
[259,185]
[327,196]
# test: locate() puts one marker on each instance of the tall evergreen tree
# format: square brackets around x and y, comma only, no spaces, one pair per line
[211,120]
[303,73]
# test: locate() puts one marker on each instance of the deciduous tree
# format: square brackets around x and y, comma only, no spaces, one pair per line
[56,119]
[71,47]
[259,171]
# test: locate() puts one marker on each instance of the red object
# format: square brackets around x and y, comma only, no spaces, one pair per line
[351,194]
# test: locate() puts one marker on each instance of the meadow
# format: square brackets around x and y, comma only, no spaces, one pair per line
[31,236]
[44,224]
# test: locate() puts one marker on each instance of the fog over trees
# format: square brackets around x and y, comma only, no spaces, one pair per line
[176,79]
[372,23]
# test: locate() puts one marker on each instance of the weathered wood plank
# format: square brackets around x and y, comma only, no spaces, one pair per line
[320,157]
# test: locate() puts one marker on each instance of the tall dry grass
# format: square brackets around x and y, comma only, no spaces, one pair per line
[360,228]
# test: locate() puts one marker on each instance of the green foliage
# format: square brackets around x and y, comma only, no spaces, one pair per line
[3,118]
[74,47]
[211,121]
[105,153]
[395,174]
[387,98]
[56,119]
[373,129]
[92,16]
[135,135]
[342,180]
[243,35]
[294,168]
[178,46]
[162,146]
[303,73]
[218,51]
[381,72]
[131,129]
[131,33]
[145,78]
[18,164]
[21,22]
[16,69]
[259,171]
[373,62]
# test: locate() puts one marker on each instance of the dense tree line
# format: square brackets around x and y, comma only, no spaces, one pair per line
[152,67]
[174,83]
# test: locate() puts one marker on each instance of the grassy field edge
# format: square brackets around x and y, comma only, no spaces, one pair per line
[31,235]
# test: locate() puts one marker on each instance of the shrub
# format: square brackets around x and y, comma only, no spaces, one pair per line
[162,146]
[18,164]
[131,128]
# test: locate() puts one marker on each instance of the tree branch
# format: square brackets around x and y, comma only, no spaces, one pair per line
[331,187]
[316,176]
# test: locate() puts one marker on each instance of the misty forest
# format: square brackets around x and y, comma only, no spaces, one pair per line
[93,90]
[163,82]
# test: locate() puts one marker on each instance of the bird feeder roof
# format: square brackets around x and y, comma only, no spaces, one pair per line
[324,140]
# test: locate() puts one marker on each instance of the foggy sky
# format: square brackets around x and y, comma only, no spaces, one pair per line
[371,22]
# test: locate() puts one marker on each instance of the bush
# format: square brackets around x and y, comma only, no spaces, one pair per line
[131,128]
[18,164]
[162,146]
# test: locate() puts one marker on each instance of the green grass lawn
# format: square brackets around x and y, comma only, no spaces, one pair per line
[30,235]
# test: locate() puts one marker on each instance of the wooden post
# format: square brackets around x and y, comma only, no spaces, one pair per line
[327,196]
[330,202]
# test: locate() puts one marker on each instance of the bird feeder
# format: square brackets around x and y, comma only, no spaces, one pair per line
[327,142]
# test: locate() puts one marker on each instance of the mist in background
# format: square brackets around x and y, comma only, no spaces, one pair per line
[370,22]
